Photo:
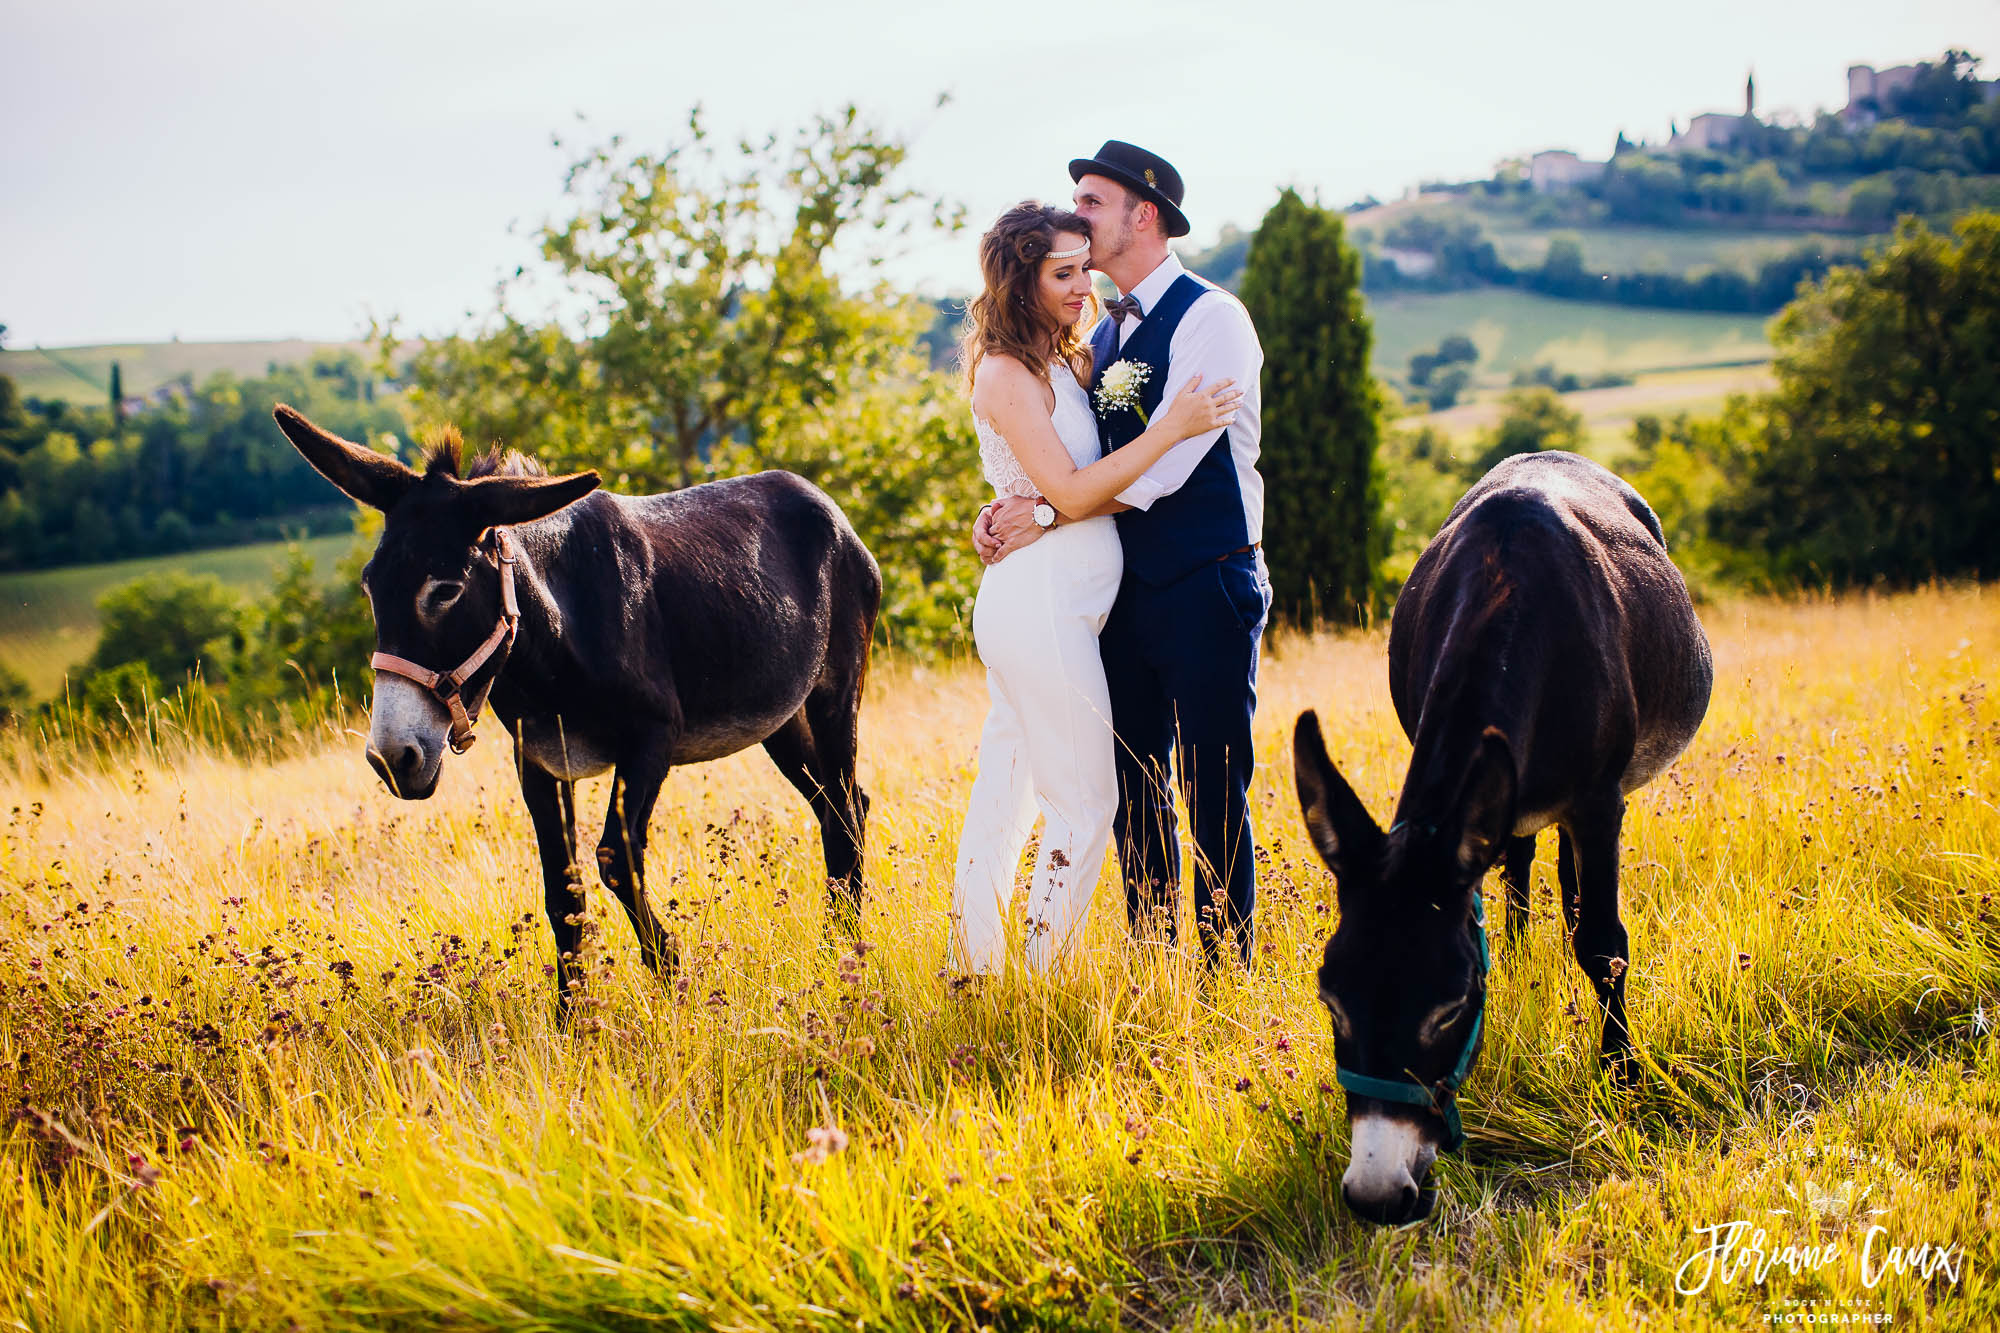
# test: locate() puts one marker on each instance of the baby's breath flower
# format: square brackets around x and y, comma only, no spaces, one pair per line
[1118,388]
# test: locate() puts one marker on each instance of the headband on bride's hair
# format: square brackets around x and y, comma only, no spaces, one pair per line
[1068,254]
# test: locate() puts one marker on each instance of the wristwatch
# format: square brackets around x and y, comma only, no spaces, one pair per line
[1044,515]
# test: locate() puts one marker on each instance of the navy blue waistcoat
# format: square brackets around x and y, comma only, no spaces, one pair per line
[1203,520]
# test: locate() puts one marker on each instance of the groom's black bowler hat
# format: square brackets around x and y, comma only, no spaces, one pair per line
[1147,175]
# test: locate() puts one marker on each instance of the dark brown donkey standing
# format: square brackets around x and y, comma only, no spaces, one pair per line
[1546,662]
[630,633]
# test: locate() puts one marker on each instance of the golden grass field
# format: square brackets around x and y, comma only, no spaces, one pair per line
[282,1055]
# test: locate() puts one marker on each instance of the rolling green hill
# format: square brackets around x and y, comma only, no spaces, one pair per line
[83,374]
[1665,249]
[1612,248]
[1518,330]
[48,617]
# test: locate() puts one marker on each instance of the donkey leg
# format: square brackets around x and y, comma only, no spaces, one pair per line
[834,715]
[1601,947]
[1566,877]
[1515,871]
[795,749]
[552,808]
[621,854]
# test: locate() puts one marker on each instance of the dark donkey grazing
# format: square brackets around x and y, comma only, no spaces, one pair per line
[1545,662]
[630,633]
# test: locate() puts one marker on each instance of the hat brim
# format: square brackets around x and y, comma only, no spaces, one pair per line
[1177,223]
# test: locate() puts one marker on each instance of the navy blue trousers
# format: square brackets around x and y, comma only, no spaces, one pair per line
[1181,661]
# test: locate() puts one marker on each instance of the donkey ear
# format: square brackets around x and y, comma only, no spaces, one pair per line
[1486,804]
[502,501]
[376,480]
[1346,837]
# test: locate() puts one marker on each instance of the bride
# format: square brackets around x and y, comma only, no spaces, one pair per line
[1047,741]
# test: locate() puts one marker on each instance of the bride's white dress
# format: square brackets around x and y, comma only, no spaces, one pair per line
[1047,741]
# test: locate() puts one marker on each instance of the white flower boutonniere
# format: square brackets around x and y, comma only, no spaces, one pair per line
[1120,385]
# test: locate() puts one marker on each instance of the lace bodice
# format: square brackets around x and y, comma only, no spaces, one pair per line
[1076,427]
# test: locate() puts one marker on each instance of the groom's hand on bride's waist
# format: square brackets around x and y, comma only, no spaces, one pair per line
[984,543]
[1003,527]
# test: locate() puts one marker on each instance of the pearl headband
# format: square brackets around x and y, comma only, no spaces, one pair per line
[1068,254]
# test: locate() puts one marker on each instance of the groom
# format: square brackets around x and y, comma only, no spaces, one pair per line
[1180,646]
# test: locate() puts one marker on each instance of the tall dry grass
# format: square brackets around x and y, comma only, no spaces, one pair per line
[282,1052]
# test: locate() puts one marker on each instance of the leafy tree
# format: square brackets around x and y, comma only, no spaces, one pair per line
[722,340]
[1446,385]
[1871,201]
[172,624]
[1942,91]
[1449,364]
[306,637]
[1642,187]
[1760,188]
[1881,457]
[1546,374]
[1532,420]
[1562,262]
[18,432]
[715,312]
[172,531]
[129,688]
[91,534]
[1324,538]
[1458,347]
[205,470]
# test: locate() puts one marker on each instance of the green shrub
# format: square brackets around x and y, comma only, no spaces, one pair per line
[128,689]
[173,623]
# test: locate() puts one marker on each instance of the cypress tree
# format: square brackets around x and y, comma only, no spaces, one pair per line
[117,393]
[1323,534]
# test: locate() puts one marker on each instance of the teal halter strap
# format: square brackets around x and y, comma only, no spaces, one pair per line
[1443,1097]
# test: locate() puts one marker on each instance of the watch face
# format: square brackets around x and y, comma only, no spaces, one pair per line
[1045,516]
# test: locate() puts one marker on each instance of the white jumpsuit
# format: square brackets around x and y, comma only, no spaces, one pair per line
[1047,741]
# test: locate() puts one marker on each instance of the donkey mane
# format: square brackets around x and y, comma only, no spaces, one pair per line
[444,455]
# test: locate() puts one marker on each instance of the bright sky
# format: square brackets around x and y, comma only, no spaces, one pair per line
[246,169]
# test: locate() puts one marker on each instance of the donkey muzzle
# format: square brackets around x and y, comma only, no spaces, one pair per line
[1385,1176]
[407,737]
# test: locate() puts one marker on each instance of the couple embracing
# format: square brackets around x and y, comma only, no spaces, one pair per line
[1125,595]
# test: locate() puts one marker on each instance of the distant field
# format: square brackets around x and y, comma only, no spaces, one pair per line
[1518,330]
[48,618]
[1616,249]
[1608,413]
[1662,250]
[83,374]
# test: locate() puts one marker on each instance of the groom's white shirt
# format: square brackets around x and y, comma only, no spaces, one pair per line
[1216,340]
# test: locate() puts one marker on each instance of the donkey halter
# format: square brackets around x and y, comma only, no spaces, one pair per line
[1441,1097]
[446,685]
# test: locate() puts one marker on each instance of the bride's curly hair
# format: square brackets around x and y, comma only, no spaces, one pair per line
[1007,316]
